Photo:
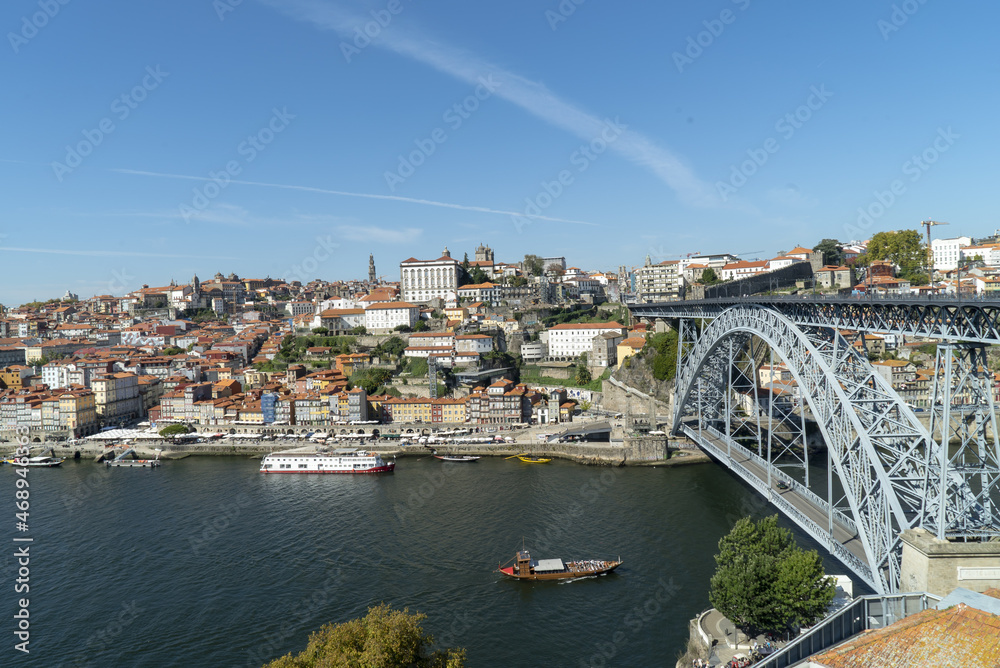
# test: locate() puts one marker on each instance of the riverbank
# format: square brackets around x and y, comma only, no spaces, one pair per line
[594,454]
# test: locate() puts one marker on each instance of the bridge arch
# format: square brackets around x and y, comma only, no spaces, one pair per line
[879,450]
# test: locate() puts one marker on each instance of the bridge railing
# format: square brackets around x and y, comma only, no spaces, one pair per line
[820,534]
[794,484]
[862,614]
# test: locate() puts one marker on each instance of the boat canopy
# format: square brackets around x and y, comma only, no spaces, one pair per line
[545,565]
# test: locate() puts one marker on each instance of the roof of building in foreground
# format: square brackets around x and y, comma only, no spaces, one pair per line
[956,637]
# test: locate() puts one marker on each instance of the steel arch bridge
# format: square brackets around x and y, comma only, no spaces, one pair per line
[885,471]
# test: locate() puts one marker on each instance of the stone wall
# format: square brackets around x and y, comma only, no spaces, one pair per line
[939,566]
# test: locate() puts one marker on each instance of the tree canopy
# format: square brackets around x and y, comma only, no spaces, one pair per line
[902,248]
[765,582]
[384,638]
[830,248]
[709,277]
[533,265]
[173,430]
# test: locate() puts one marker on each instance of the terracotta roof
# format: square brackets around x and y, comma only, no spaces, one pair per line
[389,305]
[588,325]
[954,638]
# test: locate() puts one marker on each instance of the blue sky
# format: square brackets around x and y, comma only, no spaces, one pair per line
[600,131]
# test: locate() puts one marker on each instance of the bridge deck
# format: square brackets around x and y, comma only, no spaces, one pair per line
[794,502]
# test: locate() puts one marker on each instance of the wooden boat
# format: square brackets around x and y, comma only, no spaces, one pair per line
[457,458]
[530,459]
[526,568]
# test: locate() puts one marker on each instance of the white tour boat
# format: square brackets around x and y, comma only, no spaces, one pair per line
[339,461]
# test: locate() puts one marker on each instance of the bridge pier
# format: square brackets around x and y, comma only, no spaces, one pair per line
[939,566]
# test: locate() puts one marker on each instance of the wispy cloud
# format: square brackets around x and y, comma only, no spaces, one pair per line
[342,193]
[379,235]
[532,96]
[108,253]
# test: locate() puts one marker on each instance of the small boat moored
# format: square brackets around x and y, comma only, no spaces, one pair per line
[458,458]
[526,568]
[38,461]
[531,459]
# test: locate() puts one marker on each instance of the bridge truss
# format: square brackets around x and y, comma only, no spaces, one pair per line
[885,471]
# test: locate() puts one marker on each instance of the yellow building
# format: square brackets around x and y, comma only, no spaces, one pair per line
[629,347]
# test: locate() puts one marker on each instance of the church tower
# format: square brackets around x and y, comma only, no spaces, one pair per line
[372,276]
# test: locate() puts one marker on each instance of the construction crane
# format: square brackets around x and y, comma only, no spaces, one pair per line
[928,224]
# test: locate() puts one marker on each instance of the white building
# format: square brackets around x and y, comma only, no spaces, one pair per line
[386,316]
[742,269]
[948,252]
[574,339]
[424,280]
[989,252]
[473,343]
[659,282]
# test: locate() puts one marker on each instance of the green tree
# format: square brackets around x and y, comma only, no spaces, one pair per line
[582,376]
[392,347]
[765,582]
[830,248]
[361,330]
[384,638]
[402,328]
[420,326]
[173,430]
[902,248]
[172,350]
[533,265]
[320,330]
[708,277]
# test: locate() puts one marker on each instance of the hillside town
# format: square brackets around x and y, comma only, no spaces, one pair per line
[471,341]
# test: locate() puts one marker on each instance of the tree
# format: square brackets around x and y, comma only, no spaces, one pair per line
[582,376]
[420,326]
[402,328]
[393,347]
[320,330]
[174,429]
[708,277]
[902,248]
[532,265]
[384,638]
[765,582]
[360,330]
[172,350]
[830,248]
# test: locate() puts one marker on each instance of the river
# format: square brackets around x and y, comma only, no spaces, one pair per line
[205,562]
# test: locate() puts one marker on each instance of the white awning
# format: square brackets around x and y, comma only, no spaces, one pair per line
[549,565]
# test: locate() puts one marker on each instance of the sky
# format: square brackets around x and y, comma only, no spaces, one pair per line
[145,142]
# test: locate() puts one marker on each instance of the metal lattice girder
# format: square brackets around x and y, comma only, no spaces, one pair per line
[879,450]
[963,413]
[951,319]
